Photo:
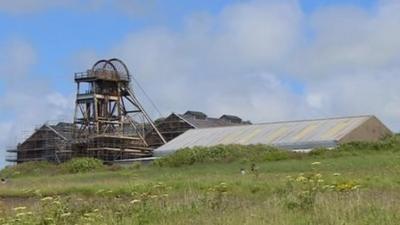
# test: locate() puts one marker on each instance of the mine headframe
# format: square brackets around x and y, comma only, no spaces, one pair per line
[110,123]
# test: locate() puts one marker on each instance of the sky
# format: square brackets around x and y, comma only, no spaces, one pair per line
[263,60]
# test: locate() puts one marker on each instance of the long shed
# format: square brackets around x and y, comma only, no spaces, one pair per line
[291,135]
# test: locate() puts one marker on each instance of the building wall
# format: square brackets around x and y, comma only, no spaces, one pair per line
[170,128]
[43,144]
[371,130]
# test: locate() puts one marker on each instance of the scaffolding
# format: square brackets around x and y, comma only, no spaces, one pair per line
[110,123]
[49,142]
[170,128]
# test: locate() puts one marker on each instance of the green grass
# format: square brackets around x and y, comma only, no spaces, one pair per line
[205,186]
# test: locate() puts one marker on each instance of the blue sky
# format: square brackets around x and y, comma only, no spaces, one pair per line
[263,60]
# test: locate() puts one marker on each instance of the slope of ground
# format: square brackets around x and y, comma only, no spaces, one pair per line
[355,184]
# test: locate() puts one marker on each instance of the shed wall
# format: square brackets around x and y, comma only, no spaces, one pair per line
[371,130]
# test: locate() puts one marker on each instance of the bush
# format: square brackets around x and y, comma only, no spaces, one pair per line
[28,168]
[263,153]
[225,153]
[82,165]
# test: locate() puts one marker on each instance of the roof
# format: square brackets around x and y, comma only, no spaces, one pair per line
[205,123]
[304,134]
[196,114]
[63,129]
[231,117]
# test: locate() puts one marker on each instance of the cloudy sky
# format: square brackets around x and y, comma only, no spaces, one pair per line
[264,60]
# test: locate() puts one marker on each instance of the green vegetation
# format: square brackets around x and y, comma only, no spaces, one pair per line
[356,183]
[82,165]
[78,165]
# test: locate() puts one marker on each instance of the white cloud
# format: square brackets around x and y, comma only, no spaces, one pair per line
[233,62]
[18,58]
[216,58]
[351,40]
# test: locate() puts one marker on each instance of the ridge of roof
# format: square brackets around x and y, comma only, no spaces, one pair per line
[181,117]
[55,131]
[298,121]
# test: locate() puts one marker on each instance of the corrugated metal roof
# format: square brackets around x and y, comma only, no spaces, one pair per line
[305,134]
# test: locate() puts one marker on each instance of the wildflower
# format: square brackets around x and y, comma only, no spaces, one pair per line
[165,196]
[87,215]
[135,201]
[316,163]
[301,179]
[19,208]
[320,181]
[327,187]
[66,214]
[100,191]
[95,210]
[318,175]
[47,198]
[336,174]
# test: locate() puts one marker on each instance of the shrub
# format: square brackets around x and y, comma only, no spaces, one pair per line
[82,165]
[301,191]
[28,169]
[225,153]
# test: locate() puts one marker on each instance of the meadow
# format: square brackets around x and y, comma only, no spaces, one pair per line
[357,183]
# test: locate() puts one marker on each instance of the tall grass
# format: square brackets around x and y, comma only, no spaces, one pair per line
[355,184]
[40,168]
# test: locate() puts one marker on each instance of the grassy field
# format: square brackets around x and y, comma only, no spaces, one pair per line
[355,184]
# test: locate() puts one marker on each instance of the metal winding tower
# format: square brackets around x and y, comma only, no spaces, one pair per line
[110,123]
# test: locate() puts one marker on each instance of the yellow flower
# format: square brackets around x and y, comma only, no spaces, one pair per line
[301,179]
